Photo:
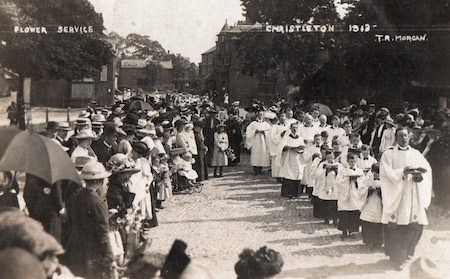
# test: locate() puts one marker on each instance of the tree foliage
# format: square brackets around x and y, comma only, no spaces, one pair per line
[53,55]
[136,46]
[356,65]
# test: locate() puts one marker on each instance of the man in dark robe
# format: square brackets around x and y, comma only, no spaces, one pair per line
[234,131]
[211,122]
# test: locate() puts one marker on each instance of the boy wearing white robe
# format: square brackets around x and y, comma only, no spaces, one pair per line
[257,134]
[354,146]
[313,180]
[326,174]
[366,161]
[312,149]
[350,200]
[308,131]
[291,161]
[335,131]
[277,134]
[372,209]
[406,183]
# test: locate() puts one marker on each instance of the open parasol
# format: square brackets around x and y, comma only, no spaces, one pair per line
[138,105]
[35,154]
[323,109]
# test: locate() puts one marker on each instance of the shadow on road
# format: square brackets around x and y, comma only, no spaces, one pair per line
[342,270]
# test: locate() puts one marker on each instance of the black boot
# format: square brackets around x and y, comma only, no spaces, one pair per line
[220,171]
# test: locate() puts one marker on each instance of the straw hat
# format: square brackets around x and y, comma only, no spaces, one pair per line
[141,123]
[64,126]
[97,125]
[84,114]
[121,163]
[98,118]
[83,121]
[85,134]
[94,170]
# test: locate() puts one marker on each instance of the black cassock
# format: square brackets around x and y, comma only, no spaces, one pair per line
[234,131]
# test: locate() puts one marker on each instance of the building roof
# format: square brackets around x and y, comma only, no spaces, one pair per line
[241,27]
[133,64]
[142,63]
[210,50]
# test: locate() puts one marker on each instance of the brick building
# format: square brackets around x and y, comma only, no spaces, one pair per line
[133,75]
[221,69]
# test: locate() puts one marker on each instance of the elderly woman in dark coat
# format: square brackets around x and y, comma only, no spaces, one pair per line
[89,251]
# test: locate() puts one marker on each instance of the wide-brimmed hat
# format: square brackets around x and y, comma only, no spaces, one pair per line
[83,121]
[97,125]
[85,134]
[98,118]
[65,126]
[141,123]
[166,124]
[141,148]
[52,125]
[121,163]
[147,131]
[80,161]
[94,170]
[84,114]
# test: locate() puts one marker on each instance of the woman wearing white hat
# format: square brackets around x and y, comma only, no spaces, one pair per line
[89,251]
[84,140]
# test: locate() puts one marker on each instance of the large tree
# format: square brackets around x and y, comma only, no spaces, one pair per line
[352,65]
[53,55]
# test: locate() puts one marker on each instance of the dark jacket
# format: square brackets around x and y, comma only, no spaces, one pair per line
[89,251]
[119,196]
[44,201]
[102,151]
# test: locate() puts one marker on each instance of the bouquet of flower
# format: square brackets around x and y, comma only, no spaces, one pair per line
[230,154]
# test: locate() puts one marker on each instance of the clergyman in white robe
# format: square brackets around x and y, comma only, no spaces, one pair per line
[257,141]
[406,184]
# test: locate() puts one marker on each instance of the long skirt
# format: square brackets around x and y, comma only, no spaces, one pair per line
[400,241]
[219,158]
[289,188]
[328,209]
[349,221]
[372,233]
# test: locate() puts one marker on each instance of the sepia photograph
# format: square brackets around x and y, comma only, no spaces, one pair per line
[218,139]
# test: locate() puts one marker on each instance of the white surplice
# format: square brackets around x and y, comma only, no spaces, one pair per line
[404,200]
[351,193]
[257,141]
[290,162]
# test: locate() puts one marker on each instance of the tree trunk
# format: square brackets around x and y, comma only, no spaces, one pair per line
[21,104]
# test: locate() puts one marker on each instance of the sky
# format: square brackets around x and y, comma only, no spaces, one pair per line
[188,27]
